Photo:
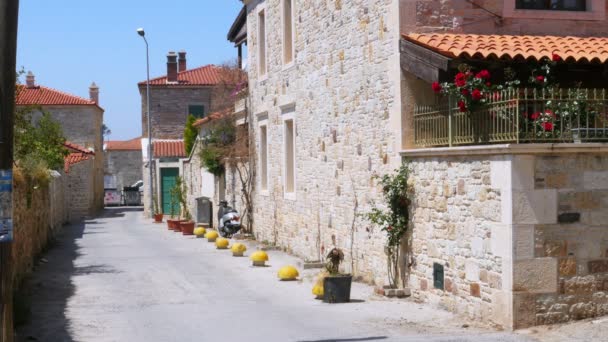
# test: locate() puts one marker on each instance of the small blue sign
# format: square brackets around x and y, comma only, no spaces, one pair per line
[6,175]
[6,206]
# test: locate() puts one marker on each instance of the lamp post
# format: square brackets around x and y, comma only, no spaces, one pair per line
[142,33]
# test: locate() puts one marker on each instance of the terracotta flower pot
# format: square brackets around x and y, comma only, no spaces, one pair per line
[171,224]
[187,227]
[158,218]
[178,226]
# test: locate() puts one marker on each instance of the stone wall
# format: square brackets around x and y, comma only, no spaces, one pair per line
[519,229]
[38,215]
[124,166]
[462,16]
[343,91]
[81,191]
[169,109]
[81,125]
[570,246]
[454,211]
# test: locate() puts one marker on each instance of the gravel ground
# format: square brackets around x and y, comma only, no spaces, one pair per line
[120,278]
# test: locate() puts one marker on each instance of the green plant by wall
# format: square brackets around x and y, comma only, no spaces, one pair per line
[190,134]
[217,145]
[42,140]
[393,216]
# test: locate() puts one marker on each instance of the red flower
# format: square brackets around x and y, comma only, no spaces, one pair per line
[483,74]
[465,92]
[550,113]
[460,80]
[462,106]
[476,95]
[535,116]
[547,126]
[556,58]
[436,87]
[540,79]
[389,228]
[488,84]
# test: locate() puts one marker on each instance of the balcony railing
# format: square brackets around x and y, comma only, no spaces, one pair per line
[516,116]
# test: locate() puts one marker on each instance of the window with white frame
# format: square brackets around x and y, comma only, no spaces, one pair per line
[289,153]
[288,31]
[262,42]
[263,156]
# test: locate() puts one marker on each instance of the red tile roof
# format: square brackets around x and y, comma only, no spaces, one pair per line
[74,158]
[124,145]
[77,155]
[77,148]
[213,116]
[202,76]
[169,148]
[572,49]
[40,95]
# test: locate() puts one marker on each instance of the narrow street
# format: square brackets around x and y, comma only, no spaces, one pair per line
[120,278]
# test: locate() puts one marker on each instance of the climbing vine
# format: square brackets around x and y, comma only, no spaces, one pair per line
[393,215]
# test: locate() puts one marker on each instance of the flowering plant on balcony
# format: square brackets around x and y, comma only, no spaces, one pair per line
[470,89]
[558,111]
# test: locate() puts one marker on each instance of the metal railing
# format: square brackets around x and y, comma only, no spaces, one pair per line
[516,115]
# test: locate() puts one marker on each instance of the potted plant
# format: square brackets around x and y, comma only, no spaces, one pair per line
[172,223]
[336,286]
[186,225]
[158,215]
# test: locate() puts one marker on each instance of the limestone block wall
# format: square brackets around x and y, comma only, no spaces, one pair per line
[81,190]
[38,214]
[169,109]
[125,166]
[520,231]
[563,275]
[82,125]
[455,210]
[343,92]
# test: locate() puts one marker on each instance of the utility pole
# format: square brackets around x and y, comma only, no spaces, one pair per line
[9,13]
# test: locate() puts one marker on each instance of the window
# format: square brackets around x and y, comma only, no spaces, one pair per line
[197,110]
[262,42]
[264,157]
[289,134]
[555,5]
[288,31]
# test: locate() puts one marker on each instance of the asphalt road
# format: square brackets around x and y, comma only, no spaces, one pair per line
[121,278]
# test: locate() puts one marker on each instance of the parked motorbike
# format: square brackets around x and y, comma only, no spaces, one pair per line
[229,220]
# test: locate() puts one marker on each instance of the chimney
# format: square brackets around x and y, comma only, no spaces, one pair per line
[181,62]
[30,80]
[94,93]
[171,67]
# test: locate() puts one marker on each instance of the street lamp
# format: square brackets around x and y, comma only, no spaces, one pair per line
[142,33]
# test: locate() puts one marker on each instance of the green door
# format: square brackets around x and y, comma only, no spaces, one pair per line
[168,177]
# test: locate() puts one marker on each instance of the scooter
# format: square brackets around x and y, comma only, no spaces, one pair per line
[229,220]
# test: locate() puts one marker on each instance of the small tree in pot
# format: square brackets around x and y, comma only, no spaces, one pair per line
[158,215]
[336,286]
[173,223]
[186,225]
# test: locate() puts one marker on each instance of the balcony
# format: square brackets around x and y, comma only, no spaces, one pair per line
[516,116]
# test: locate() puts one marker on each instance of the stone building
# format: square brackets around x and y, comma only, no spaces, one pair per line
[502,230]
[79,169]
[173,97]
[123,163]
[81,120]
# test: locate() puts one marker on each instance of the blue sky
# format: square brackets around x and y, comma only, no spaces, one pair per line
[68,44]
